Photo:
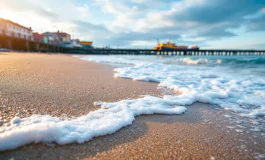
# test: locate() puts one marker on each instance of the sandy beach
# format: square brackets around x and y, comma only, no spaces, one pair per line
[64,86]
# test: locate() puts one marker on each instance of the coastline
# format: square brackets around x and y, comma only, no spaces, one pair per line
[61,85]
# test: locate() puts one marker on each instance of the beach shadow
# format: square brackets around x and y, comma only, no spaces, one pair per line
[104,143]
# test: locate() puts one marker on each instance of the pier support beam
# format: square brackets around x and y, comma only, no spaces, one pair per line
[37,47]
[27,46]
[9,44]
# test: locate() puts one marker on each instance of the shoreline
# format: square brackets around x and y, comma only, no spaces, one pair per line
[61,86]
[61,82]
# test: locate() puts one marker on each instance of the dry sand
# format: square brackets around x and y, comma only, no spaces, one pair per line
[61,85]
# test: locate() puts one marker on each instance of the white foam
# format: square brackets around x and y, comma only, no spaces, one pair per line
[110,118]
[194,62]
[256,129]
[219,61]
[235,92]
[231,127]
[15,120]
[227,116]
[110,59]
[239,130]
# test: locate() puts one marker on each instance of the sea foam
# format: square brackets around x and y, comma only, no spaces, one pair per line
[202,79]
[110,118]
[238,93]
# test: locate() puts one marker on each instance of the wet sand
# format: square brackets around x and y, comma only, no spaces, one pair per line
[61,85]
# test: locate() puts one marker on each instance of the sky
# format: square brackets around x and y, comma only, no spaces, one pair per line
[218,24]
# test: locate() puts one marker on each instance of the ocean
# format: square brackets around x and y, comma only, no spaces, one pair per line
[233,83]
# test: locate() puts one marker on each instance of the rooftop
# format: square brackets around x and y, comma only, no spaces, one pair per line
[61,33]
[5,20]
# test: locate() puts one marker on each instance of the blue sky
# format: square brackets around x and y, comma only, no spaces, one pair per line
[138,23]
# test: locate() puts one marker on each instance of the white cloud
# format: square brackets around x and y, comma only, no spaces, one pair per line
[83,10]
[143,43]
[262,11]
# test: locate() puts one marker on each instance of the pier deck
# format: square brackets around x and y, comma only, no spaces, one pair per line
[205,52]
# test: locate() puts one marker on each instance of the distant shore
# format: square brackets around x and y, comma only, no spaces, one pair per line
[64,86]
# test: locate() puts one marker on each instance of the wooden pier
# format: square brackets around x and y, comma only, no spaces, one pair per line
[24,45]
[204,52]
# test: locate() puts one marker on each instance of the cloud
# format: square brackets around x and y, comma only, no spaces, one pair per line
[148,36]
[137,22]
[30,6]
[258,45]
[196,13]
[262,11]
[214,11]
[257,24]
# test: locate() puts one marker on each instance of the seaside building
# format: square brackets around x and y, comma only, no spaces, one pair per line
[17,32]
[73,44]
[86,44]
[38,37]
[51,38]
[63,37]
[12,29]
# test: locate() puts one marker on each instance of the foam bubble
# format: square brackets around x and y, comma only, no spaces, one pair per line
[15,120]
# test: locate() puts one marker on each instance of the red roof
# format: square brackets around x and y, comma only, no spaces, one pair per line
[37,35]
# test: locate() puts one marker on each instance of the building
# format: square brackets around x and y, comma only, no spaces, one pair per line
[38,37]
[63,37]
[73,44]
[12,29]
[86,44]
[76,43]
[50,34]
[51,38]
[1,26]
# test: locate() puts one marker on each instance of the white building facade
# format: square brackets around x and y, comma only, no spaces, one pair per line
[15,30]
[63,37]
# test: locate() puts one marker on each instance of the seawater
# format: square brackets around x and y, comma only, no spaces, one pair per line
[234,83]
